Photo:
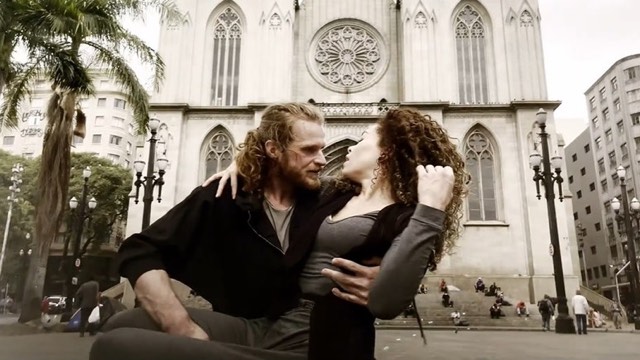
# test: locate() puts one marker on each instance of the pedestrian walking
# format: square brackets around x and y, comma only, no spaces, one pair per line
[87,300]
[580,309]
[617,315]
[545,307]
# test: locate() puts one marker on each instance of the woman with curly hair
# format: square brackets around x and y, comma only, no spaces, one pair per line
[402,211]
[403,186]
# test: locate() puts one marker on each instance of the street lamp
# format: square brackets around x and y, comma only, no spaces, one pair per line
[564,323]
[631,247]
[84,213]
[16,181]
[25,258]
[582,232]
[150,181]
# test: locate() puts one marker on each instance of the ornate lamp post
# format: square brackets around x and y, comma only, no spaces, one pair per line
[631,246]
[582,232]
[84,213]
[25,258]
[150,181]
[16,180]
[564,323]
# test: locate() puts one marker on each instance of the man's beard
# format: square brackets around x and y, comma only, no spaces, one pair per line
[297,177]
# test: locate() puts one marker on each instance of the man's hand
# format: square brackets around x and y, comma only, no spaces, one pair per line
[435,186]
[356,287]
[230,173]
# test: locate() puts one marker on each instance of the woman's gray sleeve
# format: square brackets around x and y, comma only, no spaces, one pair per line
[405,263]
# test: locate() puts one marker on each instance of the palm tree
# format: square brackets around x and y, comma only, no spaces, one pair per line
[57,61]
[91,31]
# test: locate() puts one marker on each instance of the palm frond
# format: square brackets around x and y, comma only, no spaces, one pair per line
[63,66]
[168,10]
[120,70]
[16,91]
[128,42]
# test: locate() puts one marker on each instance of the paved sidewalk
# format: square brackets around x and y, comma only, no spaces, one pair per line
[393,345]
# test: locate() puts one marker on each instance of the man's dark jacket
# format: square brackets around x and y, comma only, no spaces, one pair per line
[227,251]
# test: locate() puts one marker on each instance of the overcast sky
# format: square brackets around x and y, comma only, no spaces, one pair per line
[581,40]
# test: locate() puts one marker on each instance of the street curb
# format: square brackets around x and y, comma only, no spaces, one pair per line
[493,328]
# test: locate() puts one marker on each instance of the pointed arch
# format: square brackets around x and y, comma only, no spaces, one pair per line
[335,155]
[228,30]
[217,151]
[481,161]
[472,28]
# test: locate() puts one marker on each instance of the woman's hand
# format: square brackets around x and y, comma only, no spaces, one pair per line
[229,173]
[435,186]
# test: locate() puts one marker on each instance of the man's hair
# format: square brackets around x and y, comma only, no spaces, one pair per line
[276,125]
[408,139]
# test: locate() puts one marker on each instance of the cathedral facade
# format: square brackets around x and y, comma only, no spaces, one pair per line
[474,66]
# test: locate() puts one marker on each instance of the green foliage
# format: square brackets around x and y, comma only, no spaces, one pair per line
[110,185]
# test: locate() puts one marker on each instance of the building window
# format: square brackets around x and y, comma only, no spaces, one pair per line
[620,126]
[77,140]
[589,274]
[119,104]
[616,180]
[616,104]
[129,146]
[597,226]
[575,216]
[592,101]
[607,209]
[592,186]
[596,270]
[127,163]
[8,140]
[587,148]
[583,171]
[624,150]
[574,157]
[102,102]
[570,179]
[593,250]
[471,56]
[131,129]
[603,270]
[595,122]
[99,121]
[631,73]
[604,186]
[605,115]
[612,160]
[97,139]
[115,140]
[587,210]
[635,118]
[480,162]
[114,158]
[614,84]
[227,37]
[601,168]
[598,142]
[579,193]
[219,152]
[117,122]
[603,94]
[609,135]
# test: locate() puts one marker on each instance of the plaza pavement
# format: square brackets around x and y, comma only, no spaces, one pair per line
[395,345]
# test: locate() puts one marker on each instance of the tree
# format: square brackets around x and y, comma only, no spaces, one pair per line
[92,31]
[51,57]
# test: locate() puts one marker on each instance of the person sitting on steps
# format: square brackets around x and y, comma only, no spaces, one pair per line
[446,299]
[480,286]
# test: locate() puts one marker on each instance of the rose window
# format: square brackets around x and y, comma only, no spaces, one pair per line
[347,57]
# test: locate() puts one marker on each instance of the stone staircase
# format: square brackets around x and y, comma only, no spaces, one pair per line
[474,307]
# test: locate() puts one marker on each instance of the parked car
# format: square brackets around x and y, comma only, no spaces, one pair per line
[54,304]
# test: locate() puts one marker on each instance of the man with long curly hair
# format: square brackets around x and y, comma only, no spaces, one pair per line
[244,255]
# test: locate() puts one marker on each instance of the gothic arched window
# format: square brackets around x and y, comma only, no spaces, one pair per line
[226,58]
[471,56]
[480,158]
[218,153]
[335,155]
